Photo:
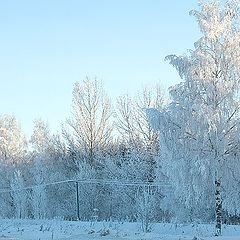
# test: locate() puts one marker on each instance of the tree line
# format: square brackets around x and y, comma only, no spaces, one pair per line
[96,142]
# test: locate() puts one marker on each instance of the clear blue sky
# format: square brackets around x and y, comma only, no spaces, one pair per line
[47,45]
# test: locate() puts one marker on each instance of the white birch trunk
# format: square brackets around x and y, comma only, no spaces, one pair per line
[218,208]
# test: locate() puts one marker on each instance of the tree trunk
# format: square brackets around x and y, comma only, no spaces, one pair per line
[218,208]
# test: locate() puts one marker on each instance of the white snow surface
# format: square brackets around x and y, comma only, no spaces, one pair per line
[74,230]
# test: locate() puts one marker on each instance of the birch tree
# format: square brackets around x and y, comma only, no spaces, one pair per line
[207,99]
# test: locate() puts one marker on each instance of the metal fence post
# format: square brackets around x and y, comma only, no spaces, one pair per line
[77,199]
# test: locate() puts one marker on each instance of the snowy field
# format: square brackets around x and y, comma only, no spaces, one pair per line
[65,230]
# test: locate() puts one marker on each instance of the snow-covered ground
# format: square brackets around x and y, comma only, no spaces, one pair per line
[65,230]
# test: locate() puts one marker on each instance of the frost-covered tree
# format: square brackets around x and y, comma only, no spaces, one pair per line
[132,121]
[138,146]
[90,124]
[88,135]
[12,141]
[138,137]
[41,143]
[19,195]
[41,140]
[146,203]
[39,195]
[12,154]
[201,125]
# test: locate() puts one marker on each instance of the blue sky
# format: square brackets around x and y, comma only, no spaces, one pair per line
[47,45]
